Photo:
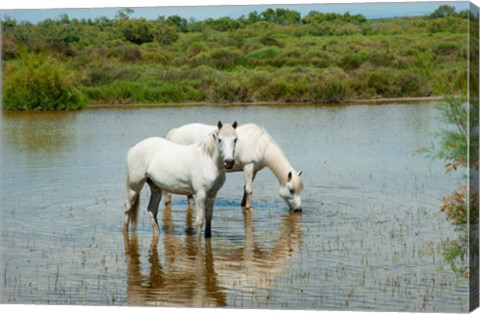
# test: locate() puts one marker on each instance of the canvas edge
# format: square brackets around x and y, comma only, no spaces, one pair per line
[473,101]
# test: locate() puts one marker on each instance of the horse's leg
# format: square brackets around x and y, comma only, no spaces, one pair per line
[200,200]
[249,173]
[208,214]
[191,201]
[132,204]
[168,198]
[155,197]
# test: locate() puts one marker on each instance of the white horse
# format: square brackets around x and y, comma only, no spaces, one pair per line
[197,169]
[255,150]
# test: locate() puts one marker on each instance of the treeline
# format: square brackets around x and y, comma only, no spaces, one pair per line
[275,55]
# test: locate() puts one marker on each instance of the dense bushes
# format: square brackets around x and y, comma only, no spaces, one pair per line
[39,82]
[275,55]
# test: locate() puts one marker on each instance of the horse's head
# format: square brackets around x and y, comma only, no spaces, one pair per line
[226,138]
[290,191]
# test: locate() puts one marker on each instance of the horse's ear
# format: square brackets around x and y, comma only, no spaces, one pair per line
[214,134]
[289,176]
[219,124]
[234,125]
[300,172]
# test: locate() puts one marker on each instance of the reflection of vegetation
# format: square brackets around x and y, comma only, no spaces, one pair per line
[45,133]
[275,55]
[460,207]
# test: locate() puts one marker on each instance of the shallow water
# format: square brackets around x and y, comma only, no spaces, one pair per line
[368,238]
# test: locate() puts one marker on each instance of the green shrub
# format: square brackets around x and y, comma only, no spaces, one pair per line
[412,84]
[127,92]
[166,35]
[263,56]
[223,58]
[39,82]
[354,60]
[270,41]
[137,31]
[131,54]
[157,57]
[332,86]
[228,90]
[382,81]
[105,73]
[195,48]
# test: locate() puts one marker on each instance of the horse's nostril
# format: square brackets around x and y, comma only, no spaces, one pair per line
[228,163]
[297,210]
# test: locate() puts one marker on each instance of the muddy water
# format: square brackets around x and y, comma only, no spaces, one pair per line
[368,238]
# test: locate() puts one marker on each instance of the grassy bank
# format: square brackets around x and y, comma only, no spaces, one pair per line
[274,56]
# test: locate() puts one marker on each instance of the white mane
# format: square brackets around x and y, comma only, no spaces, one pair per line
[207,144]
[274,157]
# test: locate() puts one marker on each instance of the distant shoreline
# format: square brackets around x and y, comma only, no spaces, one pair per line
[376,101]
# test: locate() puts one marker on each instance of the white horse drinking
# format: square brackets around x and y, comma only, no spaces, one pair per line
[255,150]
[197,169]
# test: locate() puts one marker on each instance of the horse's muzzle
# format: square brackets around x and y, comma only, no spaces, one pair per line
[228,163]
[297,210]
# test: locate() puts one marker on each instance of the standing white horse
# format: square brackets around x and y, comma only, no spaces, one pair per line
[197,169]
[255,150]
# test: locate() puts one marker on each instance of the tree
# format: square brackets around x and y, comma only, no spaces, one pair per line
[287,17]
[166,35]
[124,14]
[254,17]
[460,207]
[443,11]
[180,23]
[280,16]
[137,31]
[223,24]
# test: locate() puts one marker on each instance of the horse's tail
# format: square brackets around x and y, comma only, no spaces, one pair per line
[133,201]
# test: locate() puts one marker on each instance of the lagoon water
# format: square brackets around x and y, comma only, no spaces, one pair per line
[368,239]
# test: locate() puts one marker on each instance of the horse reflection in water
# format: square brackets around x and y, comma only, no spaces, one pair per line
[192,275]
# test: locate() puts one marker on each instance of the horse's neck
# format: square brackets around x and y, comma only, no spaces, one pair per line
[210,150]
[277,162]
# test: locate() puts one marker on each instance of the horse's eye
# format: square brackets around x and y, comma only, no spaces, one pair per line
[219,140]
[292,191]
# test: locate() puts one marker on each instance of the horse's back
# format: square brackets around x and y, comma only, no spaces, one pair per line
[145,147]
[157,154]
[153,147]
[189,133]
[139,155]
[251,131]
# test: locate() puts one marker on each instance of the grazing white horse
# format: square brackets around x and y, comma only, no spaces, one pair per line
[255,150]
[197,169]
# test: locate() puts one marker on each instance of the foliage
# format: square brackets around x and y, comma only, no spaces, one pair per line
[320,57]
[39,82]
[447,11]
[136,31]
[453,143]
[460,207]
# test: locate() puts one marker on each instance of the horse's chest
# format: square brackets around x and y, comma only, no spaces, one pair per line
[211,181]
